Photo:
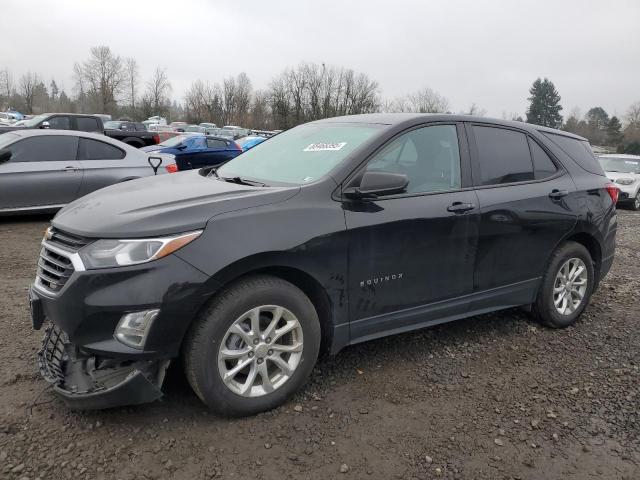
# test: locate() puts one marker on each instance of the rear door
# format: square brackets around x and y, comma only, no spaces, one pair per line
[103,164]
[526,207]
[42,171]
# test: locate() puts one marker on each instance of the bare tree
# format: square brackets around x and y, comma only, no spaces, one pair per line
[475,110]
[6,85]
[158,91]
[633,116]
[132,74]
[28,89]
[242,98]
[428,101]
[101,76]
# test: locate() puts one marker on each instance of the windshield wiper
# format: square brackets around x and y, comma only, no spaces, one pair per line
[242,181]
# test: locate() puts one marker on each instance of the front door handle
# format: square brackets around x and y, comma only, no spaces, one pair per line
[459,207]
[555,193]
[71,168]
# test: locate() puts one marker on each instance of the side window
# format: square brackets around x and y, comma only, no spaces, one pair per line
[542,164]
[428,156]
[90,149]
[140,127]
[215,143]
[45,148]
[503,155]
[579,150]
[59,123]
[87,124]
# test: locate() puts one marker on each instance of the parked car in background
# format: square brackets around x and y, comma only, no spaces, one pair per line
[208,125]
[624,171]
[8,118]
[131,133]
[239,131]
[194,129]
[85,123]
[249,142]
[230,133]
[178,126]
[43,170]
[190,151]
[152,122]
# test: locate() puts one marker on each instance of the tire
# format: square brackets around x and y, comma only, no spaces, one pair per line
[544,308]
[635,203]
[210,338]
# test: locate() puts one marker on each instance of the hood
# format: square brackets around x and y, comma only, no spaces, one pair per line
[161,205]
[616,175]
[9,128]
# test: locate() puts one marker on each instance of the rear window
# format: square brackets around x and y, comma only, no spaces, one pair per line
[503,155]
[578,150]
[87,124]
[95,150]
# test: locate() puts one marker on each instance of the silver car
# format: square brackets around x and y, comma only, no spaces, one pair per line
[43,170]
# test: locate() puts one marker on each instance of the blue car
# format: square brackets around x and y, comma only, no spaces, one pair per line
[194,151]
[249,142]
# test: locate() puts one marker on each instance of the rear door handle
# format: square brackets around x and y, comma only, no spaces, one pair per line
[459,207]
[71,168]
[555,193]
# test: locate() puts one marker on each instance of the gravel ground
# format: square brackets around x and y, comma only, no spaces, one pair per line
[490,397]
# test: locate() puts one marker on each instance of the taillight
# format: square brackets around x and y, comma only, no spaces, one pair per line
[238,147]
[613,191]
[171,168]
[156,139]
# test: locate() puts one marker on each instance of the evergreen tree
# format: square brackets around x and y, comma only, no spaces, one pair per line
[614,131]
[545,107]
[54,91]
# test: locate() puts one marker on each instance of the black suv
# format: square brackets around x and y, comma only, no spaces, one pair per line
[329,234]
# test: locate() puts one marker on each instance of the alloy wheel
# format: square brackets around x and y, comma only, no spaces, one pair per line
[570,286]
[260,351]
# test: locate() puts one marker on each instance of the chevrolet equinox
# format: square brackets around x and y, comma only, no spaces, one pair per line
[332,233]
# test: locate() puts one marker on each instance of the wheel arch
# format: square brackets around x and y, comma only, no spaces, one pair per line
[301,277]
[591,243]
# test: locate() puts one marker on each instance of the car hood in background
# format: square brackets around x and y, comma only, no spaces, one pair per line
[161,205]
[617,175]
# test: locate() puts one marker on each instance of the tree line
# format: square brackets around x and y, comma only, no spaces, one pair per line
[107,83]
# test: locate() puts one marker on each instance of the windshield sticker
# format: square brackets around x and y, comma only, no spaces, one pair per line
[325,147]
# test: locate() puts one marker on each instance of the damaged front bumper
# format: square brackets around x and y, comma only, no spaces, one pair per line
[87,381]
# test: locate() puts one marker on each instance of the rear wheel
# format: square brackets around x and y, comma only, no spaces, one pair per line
[566,286]
[635,204]
[253,347]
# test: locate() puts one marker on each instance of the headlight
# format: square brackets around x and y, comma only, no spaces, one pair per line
[118,253]
[625,181]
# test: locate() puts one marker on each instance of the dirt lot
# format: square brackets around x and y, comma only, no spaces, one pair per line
[490,397]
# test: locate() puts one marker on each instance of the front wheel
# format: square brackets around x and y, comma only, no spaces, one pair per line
[253,347]
[566,286]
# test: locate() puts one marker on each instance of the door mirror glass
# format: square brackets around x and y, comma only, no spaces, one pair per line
[5,155]
[44,124]
[376,184]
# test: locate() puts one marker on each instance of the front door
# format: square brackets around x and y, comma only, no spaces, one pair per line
[411,255]
[42,171]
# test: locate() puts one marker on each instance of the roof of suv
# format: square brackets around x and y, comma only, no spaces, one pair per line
[620,155]
[412,118]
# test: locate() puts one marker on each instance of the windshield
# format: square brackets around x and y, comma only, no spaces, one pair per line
[620,164]
[32,122]
[300,155]
[173,141]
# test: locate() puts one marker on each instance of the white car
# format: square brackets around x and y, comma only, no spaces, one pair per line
[624,172]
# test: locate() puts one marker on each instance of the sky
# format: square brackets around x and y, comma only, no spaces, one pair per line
[487,52]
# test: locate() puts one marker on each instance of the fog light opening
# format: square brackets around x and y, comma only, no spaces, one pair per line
[133,328]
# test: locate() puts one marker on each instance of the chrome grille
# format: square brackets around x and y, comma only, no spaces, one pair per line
[66,240]
[54,269]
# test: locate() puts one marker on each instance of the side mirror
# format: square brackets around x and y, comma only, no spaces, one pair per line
[155,163]
[5,155]
[44,124]
[376,184]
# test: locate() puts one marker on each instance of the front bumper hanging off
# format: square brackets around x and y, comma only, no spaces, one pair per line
[85,381]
